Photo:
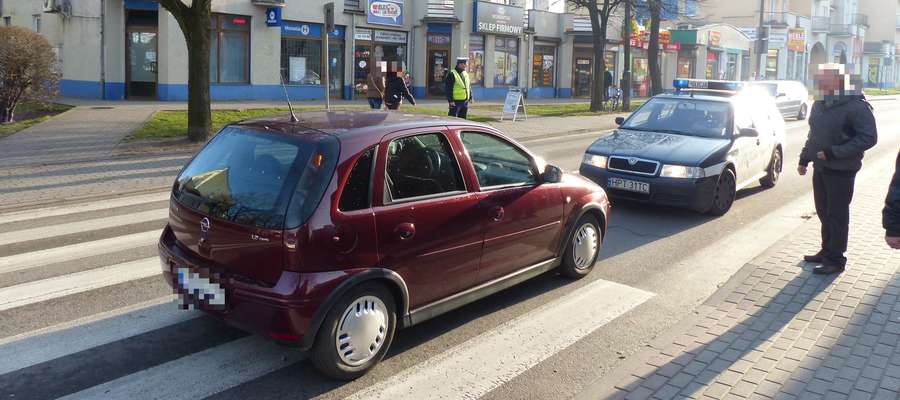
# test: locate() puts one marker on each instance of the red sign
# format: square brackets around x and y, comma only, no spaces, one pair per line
[239,21]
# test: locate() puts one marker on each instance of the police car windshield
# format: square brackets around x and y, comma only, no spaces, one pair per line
[683,116]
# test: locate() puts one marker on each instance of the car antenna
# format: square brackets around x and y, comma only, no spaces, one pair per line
[288,99]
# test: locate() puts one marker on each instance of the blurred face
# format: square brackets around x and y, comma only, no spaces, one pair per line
[460,65]
[829,80]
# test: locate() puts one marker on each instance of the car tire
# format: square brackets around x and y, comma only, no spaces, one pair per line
[582,248]
[364,318]
[724,195]
[773,172]
[801,115]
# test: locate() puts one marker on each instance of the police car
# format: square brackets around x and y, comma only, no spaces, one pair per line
[694,148]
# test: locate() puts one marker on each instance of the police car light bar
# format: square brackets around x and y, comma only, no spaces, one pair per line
[680,84]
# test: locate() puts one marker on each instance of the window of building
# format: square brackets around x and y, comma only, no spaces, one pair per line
[229,54]
[301,54]
[506,62]
[731,72]
[542,66]
[476,60]
[772,64]
[685,65]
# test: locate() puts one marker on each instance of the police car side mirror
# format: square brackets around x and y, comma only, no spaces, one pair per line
[620,121]
[552,174]
[748,132]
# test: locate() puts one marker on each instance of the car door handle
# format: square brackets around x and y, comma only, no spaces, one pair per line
[406,230]
[497,213]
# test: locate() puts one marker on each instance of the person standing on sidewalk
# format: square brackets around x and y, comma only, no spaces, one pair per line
[841,129]
[892,210]
[375,87]
[458,89]
[396,90]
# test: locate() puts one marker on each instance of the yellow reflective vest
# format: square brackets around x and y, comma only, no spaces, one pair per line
[461,88]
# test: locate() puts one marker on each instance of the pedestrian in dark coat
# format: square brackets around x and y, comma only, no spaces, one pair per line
[892,210]
[395,91]
[841,129]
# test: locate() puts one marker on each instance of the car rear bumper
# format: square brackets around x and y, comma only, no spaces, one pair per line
[695,194]
[283,311]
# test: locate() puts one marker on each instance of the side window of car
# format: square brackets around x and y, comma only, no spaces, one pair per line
[358,189]
[742,117]
[761,120]
[497,162]
[421,165]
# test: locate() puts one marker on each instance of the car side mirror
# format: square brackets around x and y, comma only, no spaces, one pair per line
[552,174]
[748,132]
[620,121]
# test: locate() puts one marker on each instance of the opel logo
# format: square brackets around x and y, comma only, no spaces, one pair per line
[204,225]
[631,161]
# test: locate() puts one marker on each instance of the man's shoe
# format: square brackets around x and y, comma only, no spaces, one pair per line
[828,269]
[815,258]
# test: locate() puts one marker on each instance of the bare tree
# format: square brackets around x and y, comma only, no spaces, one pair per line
[599,12]
[195,20]
[653,55]
[28,69]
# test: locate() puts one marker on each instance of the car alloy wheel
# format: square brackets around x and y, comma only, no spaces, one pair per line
[773,173]
[585,245]
[362,330]
[803,111]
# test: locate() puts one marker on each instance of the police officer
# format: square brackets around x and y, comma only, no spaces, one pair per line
[841,129]
[459,92]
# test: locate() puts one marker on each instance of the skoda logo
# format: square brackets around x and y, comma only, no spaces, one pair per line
[204,225]
[631,161]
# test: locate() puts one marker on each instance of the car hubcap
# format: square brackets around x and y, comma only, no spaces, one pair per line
[585,246]
[725,192]
[362,330]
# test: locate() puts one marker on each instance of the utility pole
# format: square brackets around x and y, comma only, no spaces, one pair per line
[329,27]
[626,70]
[761,43]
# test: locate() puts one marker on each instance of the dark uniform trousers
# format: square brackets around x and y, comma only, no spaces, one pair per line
[833,192]
[459,109]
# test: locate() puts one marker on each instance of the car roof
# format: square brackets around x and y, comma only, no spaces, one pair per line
[351,124]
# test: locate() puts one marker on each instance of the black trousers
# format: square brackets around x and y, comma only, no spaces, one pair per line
[460,109]
[833,191]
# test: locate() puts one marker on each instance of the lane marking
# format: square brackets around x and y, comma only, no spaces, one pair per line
[56,211]
[82,226]
[198,375]
[71,252]
[46,344]
[51,288]
[481,364]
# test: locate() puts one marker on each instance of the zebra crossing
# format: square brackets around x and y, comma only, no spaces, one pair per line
[97,322]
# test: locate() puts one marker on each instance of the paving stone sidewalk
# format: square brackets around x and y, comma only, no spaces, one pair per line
[777,331]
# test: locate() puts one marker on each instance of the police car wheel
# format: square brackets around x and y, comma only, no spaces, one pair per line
[774,170]
[802,114]
[723,197]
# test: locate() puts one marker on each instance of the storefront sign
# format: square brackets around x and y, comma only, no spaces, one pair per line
[797,39]
[714,39]
[273,16]
[338,32]
[239,21]
[362,34]
[750,32]
[641,40]
[498,19]
[291,28]
[390,36]
[439,39]
[385,12]
[777,38]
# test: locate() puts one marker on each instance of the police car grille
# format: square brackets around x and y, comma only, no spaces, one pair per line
[643,167]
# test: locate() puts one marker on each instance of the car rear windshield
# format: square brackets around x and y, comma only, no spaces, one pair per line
[251,177]
[683,116]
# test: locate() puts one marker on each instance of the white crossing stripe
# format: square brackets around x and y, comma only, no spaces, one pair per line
[97,205]
[477,366]
[71,252]
[82,226]
[51,288]
[199,375]
[31,348]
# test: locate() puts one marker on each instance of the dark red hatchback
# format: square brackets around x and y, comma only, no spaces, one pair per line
[331,232]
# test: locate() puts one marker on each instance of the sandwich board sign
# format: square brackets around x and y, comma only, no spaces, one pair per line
[514,100]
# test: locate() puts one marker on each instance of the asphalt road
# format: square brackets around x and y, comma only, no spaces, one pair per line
[93,321]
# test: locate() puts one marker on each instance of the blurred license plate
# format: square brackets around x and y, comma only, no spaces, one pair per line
[196,289]
[628,185]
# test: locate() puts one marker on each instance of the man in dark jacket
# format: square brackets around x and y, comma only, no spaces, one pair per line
[841,129]
[892,210]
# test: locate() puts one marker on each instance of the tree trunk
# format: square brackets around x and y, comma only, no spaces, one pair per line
[199,114]
[653,55]
[599,38]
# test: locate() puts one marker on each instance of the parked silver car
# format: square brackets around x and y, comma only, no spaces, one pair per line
[791,97]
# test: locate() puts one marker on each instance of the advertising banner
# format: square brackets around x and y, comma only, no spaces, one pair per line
[797,39]
[385,12]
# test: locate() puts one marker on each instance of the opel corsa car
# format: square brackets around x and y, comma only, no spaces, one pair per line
[693,149]
[331,233]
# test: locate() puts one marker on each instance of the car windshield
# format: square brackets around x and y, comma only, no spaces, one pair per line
[683,116]
[249,177]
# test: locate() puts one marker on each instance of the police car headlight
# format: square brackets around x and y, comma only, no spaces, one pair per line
[681,171]
[595,160]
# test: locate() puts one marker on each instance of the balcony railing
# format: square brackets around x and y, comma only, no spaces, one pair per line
[441,9]
[821,24]
[860,19]
[841,29]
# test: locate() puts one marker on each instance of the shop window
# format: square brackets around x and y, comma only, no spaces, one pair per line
[685,66]
[772,64]
[506,61]
[301,61]
[731,68]
[476,60]
[543,65]
[229,54]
